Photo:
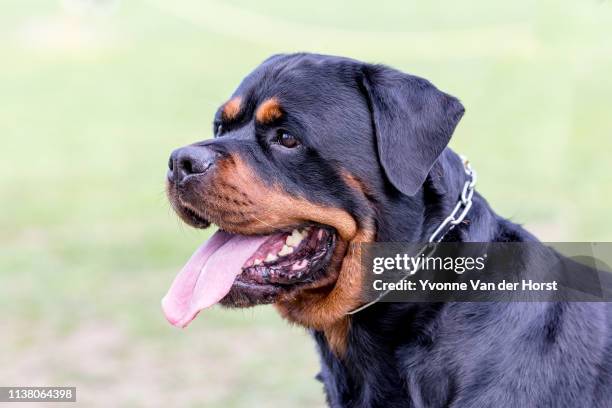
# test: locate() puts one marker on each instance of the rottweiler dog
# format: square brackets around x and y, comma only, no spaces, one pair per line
[313,155]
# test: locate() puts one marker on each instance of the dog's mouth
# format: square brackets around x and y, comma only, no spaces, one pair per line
[288,258]
[243,270]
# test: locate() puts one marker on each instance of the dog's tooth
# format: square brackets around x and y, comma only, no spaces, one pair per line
[294,239]
[257,262]
[271,258]
[285,250]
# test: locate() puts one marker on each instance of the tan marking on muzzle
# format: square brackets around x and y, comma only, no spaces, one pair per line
[270,207]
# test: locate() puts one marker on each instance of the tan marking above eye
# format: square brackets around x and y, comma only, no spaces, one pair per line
[231,108]
[269,111]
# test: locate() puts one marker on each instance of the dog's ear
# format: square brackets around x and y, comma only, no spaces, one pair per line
[413,122]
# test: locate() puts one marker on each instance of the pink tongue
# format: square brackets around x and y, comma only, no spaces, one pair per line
[208,275]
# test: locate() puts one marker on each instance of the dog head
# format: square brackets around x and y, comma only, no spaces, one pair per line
[309,157]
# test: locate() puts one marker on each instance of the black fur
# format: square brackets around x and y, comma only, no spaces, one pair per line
[390,130]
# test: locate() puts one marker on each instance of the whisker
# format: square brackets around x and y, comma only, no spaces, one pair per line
[263,222]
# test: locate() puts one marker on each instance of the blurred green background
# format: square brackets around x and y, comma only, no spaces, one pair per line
[95,94]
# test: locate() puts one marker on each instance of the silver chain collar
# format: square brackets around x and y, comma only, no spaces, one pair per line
[462,208]
[464,204]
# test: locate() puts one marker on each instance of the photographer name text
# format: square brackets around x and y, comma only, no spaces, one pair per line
[471,285]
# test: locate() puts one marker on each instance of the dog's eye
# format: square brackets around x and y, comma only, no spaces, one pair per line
[287,140]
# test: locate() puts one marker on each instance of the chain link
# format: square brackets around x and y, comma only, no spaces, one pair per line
[463,205]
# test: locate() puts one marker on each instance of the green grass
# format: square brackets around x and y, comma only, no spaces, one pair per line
[93,101]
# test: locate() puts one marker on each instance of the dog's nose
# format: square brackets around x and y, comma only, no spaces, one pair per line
[188,161]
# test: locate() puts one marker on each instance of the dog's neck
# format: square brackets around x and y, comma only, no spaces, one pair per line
[368,364]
